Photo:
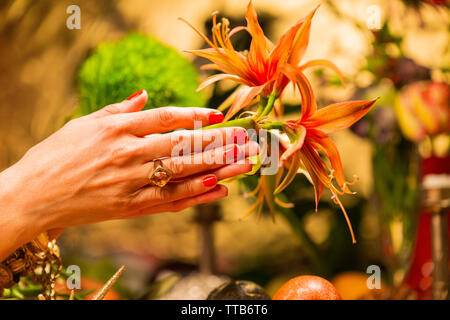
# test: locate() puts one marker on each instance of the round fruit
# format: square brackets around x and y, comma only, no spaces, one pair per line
[307,288]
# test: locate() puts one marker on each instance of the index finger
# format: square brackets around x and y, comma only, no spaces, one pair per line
[169,118]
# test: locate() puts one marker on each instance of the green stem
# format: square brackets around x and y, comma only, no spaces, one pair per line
[309,247]
[246,123]
[262,104]
[269,105]
[264,108]
[273,125]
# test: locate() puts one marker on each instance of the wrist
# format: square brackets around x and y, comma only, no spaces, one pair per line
[19,224]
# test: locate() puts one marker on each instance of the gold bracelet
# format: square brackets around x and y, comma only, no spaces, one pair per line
[39,258]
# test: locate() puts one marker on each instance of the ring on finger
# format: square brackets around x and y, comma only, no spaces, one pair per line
[159,175]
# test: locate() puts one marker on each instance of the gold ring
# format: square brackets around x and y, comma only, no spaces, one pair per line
[159,175]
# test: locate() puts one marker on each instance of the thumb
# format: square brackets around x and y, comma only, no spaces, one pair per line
[133,103]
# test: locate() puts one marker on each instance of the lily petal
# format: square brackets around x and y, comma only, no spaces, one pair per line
[218,77]
[229,100]
[315,167]
[226,61]
[210,66]
[243,98]
[297,77]
[330,150]
[324,63]
[267,185]
[281,52]
[301,39]
[291,174]
[297,145]
[236,30]
[258,53]
[339,116]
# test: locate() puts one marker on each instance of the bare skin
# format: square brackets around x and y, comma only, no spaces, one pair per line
[96,168]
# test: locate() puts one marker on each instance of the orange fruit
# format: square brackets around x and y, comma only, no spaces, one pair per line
[307,288]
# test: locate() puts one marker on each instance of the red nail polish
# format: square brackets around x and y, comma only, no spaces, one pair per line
[240,137]
[216,117]
[136,94]
[210,181]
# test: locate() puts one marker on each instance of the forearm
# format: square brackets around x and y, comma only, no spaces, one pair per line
[17,224]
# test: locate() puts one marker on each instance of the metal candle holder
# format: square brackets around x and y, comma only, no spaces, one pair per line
[436,199]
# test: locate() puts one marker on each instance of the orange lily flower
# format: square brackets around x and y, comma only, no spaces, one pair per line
[309,136]
[264,195]
[262,69]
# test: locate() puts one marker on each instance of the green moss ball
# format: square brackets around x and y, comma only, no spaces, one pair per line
[118,69]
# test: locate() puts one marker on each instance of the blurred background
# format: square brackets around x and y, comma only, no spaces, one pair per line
[398,50]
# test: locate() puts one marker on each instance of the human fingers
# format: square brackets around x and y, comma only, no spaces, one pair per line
[231,170]
[207,161]
[250,148]
[217,192]
[185,142]
[197,163]
[170,118]
[132,104]
[153,195]
[240,167]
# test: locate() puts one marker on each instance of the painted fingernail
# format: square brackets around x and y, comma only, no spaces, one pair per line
[240,137]
[232,152]
[215,117]
[210,181]
[136,94]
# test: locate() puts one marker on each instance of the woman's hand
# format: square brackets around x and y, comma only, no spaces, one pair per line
[96,168]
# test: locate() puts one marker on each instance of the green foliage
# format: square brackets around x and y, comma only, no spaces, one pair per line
[118,69]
